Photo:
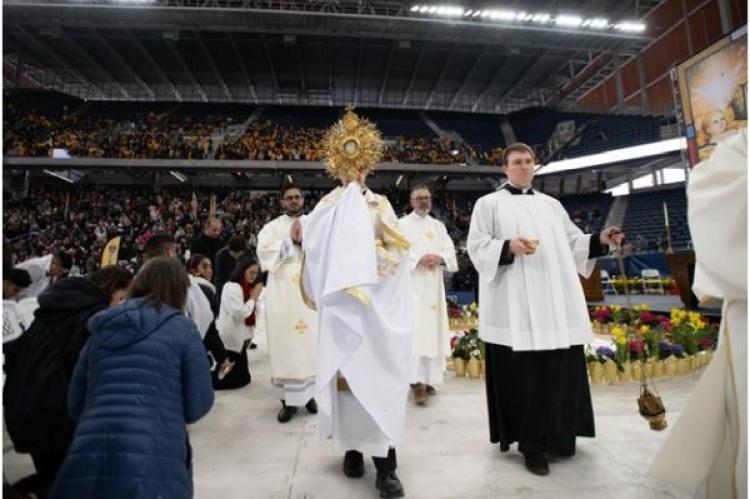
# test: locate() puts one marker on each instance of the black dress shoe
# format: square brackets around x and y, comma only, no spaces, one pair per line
[311,406]
[537,464]
[286,413]
[354,464]
[388,484]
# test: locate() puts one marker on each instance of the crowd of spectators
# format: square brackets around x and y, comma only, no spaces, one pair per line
[31,133]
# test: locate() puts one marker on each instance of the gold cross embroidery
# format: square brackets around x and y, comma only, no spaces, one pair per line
[301,327]
[430,235]
[296,279]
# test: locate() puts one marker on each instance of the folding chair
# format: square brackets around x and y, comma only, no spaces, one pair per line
[651,281]
[607,284]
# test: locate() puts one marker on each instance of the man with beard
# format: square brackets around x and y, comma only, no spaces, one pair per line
[291,326]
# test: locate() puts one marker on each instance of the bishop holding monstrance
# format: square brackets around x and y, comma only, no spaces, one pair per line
[532,314]
[355,274]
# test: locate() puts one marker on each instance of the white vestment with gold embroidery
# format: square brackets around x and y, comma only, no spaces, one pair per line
[355,273]
[290,325]
[429,236]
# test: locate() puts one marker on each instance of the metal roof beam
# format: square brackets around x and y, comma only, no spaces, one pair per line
[467,78]
[245,73]
[444,70]
[185,68]
[413,78]
[147,56]
[99,67]
[212,65]
[271,67]
[115,55]
[359,70]
[384,84]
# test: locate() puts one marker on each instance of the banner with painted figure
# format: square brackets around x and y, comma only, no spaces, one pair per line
[111,252]
[713,90]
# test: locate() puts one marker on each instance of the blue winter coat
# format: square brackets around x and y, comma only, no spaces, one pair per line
[142,375]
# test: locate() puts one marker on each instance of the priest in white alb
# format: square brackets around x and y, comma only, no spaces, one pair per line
[355,273]
[706,452]
[431,252]
[290,325]
[533,315]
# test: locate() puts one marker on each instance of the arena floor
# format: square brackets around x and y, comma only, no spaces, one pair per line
[242,452]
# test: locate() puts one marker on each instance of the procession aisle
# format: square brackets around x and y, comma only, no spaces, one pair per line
[241,452]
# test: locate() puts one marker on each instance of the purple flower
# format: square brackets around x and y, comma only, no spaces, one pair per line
[678,350]
[605,352]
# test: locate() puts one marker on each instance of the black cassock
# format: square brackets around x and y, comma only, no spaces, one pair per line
[540,399]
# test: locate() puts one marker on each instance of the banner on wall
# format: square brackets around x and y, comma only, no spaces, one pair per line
[713,91]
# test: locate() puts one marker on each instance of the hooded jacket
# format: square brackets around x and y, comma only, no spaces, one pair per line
[40,363]
[141,377]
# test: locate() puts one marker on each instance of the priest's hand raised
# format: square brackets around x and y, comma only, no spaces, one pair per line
[612,235]
[522,246]
[296,232]
[430,261]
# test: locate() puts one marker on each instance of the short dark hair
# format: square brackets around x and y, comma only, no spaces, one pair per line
[162,281]
[194,261]
[288,188]
[420,187]
[209,221]
[157,245]
[238,274]
[65,260]
[111,278]
[517,147]
[19,277]
[237,243]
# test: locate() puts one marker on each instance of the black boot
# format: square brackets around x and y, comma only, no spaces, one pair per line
[311,406]
[286,413]
[354,464]
[537,463]
[387,481]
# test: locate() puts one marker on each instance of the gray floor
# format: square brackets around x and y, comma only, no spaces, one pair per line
[242,452]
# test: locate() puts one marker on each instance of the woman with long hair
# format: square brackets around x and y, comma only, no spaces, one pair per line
[236,322]
[142,376]
[200,269]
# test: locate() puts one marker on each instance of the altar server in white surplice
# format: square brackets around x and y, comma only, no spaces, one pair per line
[532,314]
[707,449]
[356,274]
[431,252]
[291,326]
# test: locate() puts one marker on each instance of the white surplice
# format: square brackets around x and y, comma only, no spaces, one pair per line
[708,445]
[427,235]
[537,303]
[290,325]
[355,273]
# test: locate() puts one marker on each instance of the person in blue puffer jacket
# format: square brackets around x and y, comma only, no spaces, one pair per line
[141,377]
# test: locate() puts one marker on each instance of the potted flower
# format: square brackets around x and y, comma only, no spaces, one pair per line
[594,363]
[622,352]
[460,357]
[609,365]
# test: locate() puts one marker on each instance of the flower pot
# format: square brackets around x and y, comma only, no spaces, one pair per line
[670,366]
[596,372]
[473,367]
[626,374]
[648,368]
[459,366]
[709,356]
[482,368]
[695,362]
[658,369]
[610,371]
[606,329]
[635,368]
[596,327]
[683,365]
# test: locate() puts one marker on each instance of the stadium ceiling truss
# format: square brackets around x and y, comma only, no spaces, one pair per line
[332,53]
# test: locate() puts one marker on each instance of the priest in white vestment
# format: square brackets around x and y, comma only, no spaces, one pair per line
[355,273]
[431,252]
[706,452]
[291,327]
[533,315]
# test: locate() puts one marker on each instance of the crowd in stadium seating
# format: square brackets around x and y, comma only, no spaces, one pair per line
[32,134]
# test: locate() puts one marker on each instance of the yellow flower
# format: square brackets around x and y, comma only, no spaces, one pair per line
[644,329]
[644,307]
[616,308]
[473,306]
